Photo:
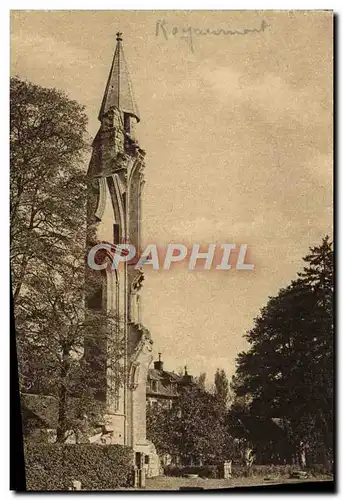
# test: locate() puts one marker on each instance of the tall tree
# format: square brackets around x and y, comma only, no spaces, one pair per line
[202,380]
[287,374]
[193,429]
[159,422]
[48,232]
[65,352]
[48,191]
[197,427]
[221,385]
[318,275]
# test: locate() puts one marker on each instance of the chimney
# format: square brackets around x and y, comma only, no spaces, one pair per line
[158,365]
[187,379]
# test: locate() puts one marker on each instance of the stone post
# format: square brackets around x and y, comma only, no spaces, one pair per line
[226,470]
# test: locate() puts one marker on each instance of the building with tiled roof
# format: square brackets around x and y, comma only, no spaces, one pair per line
[163,386]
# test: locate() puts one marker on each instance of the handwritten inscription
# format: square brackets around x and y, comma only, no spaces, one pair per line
[188,32]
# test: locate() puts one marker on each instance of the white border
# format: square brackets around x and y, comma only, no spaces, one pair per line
[4,183]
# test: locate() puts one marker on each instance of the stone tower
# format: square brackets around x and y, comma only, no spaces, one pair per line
[115,177]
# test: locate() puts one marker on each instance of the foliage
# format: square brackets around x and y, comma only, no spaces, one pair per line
[68,351]
[48,190]
[62,350]
[202,381]
[287,374]
[193,429]
[48,204]
[158,421]
[271,471]
[210,471]
[274,471]
[98,467]
[221,385]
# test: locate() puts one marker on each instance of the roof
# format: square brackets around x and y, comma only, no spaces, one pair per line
[166,381]
[119,92]
[162,392]
[174,376]
[154,374]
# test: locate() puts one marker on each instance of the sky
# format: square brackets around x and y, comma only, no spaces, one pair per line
[238,135]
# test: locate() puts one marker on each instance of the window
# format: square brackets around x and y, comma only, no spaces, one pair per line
[127,123]
[94,301]
[116,234]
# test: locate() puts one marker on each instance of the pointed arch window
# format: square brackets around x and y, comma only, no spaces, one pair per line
[127,124]
[116,233]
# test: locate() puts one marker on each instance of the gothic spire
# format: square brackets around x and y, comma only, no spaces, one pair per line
[118,92]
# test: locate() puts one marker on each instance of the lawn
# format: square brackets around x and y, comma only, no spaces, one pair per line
[174,483]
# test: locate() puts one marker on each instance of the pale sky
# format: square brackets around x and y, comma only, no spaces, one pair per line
[238,136]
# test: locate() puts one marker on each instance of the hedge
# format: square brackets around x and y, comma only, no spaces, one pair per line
[98,467]
[262,470]
[210,471]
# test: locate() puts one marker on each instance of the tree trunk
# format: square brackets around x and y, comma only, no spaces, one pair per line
[20,281]
[62,398]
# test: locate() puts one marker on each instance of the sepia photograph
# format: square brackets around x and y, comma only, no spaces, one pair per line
[171,250]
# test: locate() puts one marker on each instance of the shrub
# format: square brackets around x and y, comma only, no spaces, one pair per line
[237,470]
[271,470]
[276,470]
[210,471]
[262,470]
[319,470]
[173,470]
[98,467]
[213,471]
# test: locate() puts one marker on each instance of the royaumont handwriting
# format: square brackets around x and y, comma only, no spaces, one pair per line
[188,32]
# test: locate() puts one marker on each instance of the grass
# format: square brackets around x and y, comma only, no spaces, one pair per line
[174,483]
